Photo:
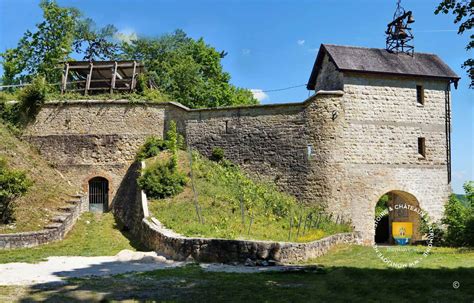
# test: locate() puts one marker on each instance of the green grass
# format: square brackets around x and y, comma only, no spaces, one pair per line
[92,235]
[350,274]
[365,257]
[220,189]
[49,190]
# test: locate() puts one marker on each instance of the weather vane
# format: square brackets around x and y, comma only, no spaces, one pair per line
[399,35]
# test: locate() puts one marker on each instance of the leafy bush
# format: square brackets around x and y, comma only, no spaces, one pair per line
[152,147]
[9,111]
[455,215]
[217,154]
[32,97]
[162,180]
[13,184]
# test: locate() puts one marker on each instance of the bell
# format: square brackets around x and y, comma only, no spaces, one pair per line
[401,34]
[411,19]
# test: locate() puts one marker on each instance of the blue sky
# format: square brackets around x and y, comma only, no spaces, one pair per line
[273,44]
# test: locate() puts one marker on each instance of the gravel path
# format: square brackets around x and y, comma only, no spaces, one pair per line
[58,269]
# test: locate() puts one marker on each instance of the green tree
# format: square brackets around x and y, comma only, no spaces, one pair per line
[469,192]
[188,70]
[40,52]
[463,10]
[95,43]
[62,31]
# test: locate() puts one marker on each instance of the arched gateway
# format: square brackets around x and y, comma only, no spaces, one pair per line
[394,210]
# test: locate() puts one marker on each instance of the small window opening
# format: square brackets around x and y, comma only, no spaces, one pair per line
[420,94]
[421,147]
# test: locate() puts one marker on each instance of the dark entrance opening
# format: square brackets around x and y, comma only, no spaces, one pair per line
[98,194]
[382,232]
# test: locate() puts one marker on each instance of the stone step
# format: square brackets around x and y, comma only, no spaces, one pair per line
[59,218]
[73,201]
[67,209]
[53,226]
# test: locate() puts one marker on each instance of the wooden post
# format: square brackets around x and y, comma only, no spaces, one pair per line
[89,76]
[134,80]
[64,78]
[114,77]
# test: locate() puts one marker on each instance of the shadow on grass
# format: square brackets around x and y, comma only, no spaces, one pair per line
[191,283]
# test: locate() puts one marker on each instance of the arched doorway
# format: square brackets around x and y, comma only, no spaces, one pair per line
[396,207]
[98,194]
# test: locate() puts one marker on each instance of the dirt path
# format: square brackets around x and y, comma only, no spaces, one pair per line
[58,269]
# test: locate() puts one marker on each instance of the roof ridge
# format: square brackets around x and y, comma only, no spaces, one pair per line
[365,47]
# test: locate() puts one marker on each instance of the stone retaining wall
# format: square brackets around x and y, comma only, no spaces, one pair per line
[59,227]
[151,233]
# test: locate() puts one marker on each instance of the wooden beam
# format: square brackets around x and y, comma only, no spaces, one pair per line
[64,78]
[134,80]
[89,76]
[114,76]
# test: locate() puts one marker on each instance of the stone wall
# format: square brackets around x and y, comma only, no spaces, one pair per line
[55,231]
[85,139]
[133,215]
[342,150]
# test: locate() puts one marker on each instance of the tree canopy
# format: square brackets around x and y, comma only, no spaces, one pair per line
[463,10]
[186,70]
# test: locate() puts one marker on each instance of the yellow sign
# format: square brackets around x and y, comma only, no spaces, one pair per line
[402,232]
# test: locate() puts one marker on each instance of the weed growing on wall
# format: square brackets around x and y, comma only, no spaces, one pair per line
[152,147]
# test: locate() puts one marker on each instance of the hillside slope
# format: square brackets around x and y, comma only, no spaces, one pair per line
[235,206]
[48,192]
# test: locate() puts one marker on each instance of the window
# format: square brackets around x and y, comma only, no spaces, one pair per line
[420,95]
[421,147]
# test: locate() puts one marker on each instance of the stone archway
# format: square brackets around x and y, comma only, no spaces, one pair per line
[401,207]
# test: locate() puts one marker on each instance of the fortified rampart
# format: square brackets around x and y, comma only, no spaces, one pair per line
[375,132]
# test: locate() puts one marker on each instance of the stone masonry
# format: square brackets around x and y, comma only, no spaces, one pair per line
[351,142]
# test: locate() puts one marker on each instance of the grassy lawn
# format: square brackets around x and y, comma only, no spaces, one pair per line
[49,190]
[221,189]
[349,274]
[92,235]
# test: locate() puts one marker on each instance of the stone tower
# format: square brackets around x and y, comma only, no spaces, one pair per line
[394,130]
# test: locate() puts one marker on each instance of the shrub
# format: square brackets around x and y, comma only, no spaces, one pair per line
[162,180]
[32,97]
[152,147]
[13,184]
[217,154]
[455,215]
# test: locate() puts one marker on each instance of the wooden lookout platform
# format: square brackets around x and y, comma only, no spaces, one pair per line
[100,76]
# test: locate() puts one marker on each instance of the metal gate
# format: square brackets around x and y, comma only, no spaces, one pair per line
[98,194]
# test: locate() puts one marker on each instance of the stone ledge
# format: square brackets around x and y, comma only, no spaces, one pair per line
[47,235]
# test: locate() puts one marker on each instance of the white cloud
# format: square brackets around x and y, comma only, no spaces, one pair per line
[300,42]
[460,174]
[245,51]
[126,35]
[259,94]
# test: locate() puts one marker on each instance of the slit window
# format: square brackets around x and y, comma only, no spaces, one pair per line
[420,95]
[421,147]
